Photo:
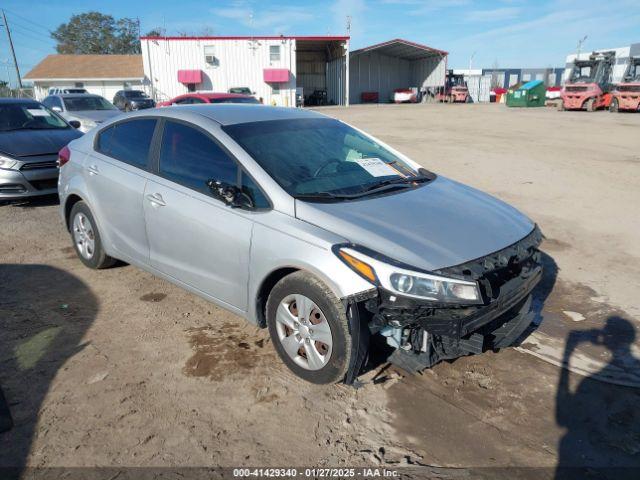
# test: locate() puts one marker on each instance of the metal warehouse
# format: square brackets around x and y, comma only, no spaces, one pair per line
[275,67]
[378,70]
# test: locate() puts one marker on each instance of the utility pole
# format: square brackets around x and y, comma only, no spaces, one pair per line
[580,43]
[13,52]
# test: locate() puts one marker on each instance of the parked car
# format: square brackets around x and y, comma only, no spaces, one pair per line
[30,137]
[129,100]
[405,95]
[208,97]
[57,91]
[90,110]
[302,224]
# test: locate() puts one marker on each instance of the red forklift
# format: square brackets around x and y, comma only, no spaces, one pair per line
[626,95]
[589,85]
[455,89]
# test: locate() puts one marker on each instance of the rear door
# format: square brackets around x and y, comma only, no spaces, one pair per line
[194,237]
[116,173]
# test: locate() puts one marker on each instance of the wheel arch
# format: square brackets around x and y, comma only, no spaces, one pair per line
[264,290]
[70,201]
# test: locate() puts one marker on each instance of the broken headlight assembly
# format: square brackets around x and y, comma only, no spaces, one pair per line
[406,282]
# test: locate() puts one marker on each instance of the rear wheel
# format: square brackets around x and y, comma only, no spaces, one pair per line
[590,105]
[309,328]
[614,106]
[86,238]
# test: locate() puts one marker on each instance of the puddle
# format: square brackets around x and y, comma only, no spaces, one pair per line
[222,351]
[153,297]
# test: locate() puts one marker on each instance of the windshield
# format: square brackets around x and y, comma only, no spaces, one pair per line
[582,73]
[235,100]
[319,156]
[241,90]
[29,116]
[77,104]
[135,94]
[634,71]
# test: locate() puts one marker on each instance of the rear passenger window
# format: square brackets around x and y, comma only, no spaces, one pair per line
[191,158]
[128,142]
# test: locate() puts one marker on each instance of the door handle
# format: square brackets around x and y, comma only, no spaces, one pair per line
[156,199]
[93,169]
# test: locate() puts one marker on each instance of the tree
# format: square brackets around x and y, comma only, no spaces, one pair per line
[94,32]
[155,32]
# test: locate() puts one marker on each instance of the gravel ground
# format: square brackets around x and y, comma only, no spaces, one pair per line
[118,368]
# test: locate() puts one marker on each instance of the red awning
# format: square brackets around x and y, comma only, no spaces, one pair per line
[190,76]
[276,75]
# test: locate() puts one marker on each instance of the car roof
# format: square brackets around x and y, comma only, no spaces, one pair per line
[26,101]
[75,95]
[216,95]
[236,113]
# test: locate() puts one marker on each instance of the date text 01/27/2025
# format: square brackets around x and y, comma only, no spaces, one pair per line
[315,472]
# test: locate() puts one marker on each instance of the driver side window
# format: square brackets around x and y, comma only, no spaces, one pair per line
[191,158]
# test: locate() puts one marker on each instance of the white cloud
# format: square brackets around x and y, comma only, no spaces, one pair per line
[276,19]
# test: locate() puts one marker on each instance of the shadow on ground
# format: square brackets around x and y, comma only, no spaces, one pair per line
[36,343]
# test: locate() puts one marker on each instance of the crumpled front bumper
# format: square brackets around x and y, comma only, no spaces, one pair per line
[434,332]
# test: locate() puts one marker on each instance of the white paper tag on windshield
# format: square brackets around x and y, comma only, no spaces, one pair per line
[38,112]
[376,167]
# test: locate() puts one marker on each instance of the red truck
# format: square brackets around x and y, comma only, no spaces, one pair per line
[455,89]
[589,85]
[626,95]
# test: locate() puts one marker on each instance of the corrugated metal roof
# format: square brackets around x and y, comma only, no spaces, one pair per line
[88,67]
[251,37]
[402,49]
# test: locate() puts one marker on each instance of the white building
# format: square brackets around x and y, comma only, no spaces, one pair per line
[271,66]
[622,60]
[98,74]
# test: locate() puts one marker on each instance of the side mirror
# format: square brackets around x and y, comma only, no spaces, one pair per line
[74,123]
[229,194]
[56,109]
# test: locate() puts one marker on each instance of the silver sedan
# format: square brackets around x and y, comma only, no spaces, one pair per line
[307,226]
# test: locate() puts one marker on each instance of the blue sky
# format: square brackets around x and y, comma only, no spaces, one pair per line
[509,33]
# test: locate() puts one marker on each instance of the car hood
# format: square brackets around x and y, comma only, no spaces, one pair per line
[437,225]
[97,116]
[24,143]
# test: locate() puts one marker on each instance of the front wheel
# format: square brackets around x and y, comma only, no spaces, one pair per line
[86,238]
[309,328]
[614,106]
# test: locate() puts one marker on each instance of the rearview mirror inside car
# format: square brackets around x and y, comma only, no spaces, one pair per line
[229,194]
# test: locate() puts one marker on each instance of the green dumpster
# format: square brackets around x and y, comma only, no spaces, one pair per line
[531,94]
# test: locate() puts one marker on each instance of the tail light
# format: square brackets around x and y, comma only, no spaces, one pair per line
[64,156]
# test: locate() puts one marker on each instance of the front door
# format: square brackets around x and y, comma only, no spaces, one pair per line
[194,237]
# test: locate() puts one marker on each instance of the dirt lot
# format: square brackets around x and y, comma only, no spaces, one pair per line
[118,368]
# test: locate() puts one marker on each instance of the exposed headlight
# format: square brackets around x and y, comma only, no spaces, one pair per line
[409,283]
[7,163]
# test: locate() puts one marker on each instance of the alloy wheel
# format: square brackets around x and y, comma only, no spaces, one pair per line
[84,236]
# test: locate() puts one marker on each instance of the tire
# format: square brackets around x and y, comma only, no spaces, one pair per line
[613,106]
[310,358]
[590,105]
[86,238]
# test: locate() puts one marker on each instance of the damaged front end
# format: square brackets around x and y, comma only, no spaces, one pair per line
[424,332]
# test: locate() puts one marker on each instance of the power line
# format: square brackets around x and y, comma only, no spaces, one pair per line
[32,31]
[29,21]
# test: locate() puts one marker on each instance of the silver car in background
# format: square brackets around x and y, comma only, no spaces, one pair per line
[88,109]
[305,225]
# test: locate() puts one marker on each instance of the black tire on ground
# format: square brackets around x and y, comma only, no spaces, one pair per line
[590,105]
[308,285]
[99,259]
[614,107]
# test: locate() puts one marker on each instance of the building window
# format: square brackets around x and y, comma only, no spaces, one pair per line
[274,53]
[210,56]
[275,88]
